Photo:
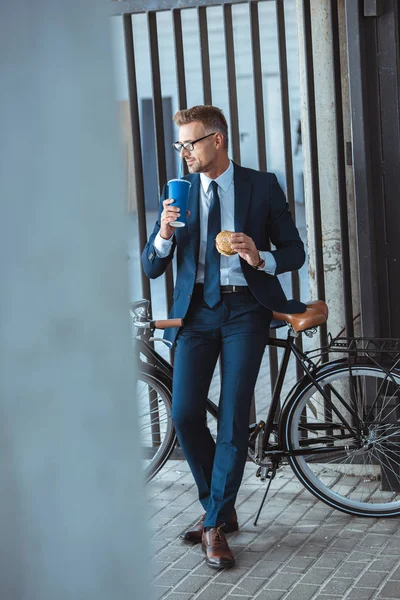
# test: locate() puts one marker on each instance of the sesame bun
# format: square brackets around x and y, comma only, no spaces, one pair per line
[223,243]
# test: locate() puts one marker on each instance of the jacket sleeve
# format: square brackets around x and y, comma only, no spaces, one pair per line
[289,254]
[153,265]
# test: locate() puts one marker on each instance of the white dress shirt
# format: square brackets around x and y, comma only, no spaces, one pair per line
[231,271]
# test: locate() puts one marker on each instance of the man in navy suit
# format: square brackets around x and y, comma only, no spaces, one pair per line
[227,304]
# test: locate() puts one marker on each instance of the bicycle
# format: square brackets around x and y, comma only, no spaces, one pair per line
[338,428]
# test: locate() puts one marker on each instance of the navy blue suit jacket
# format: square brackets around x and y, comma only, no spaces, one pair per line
[262,213]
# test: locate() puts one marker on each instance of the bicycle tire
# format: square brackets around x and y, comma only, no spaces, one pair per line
[156,430]
[364,478]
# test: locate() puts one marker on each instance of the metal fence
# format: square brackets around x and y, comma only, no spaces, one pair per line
[151,9]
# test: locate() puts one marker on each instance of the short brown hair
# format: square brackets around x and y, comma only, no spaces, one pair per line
[212,118]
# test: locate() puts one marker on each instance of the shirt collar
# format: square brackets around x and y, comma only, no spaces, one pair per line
[224,181]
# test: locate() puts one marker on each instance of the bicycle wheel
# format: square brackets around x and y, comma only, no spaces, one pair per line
[157,434]
[358,471]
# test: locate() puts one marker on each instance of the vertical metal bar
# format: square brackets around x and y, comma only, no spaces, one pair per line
[258,86]
[341,162]
[179,59]
[319,263]
[231,73]
[363,186]
[180,67]
[261,142]
[136,140]
[287,143]
[205,55]
[159,130]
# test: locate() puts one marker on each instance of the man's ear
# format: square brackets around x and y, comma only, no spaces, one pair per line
[218,140]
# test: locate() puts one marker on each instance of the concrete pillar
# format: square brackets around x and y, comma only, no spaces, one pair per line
[72,511]
[327,154]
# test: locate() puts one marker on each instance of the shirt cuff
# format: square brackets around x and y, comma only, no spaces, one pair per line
[270,263]
[162,246]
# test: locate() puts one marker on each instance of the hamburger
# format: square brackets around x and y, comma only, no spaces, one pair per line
[223,243]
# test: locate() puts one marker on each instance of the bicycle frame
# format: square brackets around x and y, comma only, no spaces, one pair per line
[275,416]
[275,409]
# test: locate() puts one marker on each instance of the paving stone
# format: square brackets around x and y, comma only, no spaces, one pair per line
[302,592]
[375,540]
[344,544]
[270,595]
[189,561]
[249,558]
[249,585]
[361,557]
[192,583]
[311,550]
[394,544]
[317,576]
[385,563]
[214,591]
[159,592]
[171,553]
[265,569]
[385,526]
[170,577]
[231,576]
[283,581]
[300,562]
[396,574]
[157,567]
[337,586]
[390,590]
[350,532]
[204,569]
[350,570]
[359,593]
[329,560]
[280,553]
[371,579]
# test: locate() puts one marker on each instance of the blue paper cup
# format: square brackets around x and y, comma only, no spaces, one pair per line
[178,189]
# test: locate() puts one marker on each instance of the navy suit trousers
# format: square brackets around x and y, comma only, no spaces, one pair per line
[237,329]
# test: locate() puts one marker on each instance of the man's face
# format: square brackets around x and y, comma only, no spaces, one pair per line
[203,155]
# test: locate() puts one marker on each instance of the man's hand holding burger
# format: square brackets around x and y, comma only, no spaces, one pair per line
[246,248]
[229,243]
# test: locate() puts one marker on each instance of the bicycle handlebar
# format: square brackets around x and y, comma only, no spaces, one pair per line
[166,323]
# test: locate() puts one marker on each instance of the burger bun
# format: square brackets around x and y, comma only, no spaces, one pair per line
[223,243]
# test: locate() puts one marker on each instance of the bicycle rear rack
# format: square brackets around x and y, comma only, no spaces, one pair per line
[380,350]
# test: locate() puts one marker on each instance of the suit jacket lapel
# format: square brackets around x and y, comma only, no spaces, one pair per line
[194,217]
[242,197]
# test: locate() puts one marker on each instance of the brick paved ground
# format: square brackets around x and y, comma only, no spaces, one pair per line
[300,549]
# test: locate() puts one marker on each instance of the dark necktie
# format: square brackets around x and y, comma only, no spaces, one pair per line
[212,294]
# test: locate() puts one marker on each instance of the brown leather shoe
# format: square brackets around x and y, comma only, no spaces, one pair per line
[194,534]
[215,545]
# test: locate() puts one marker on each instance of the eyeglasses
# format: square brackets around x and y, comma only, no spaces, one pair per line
[189,146]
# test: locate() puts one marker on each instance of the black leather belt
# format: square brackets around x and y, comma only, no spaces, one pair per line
[232,289]
[226,289]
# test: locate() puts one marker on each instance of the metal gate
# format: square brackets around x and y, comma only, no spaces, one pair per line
[238,29]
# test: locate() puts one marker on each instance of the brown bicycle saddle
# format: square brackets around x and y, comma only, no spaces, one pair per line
[315,314]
